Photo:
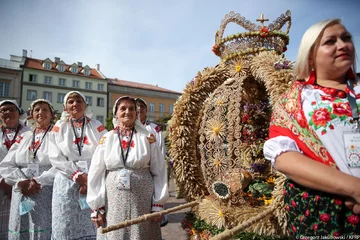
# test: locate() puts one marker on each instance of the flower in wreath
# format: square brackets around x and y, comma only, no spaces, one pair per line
[215,215]
[342,109]
[239,67]
[221,189]
[264,32]
[320,117]
[215,129]
[218,162]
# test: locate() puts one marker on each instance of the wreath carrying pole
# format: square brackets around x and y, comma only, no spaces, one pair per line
[228,234]
[147,217]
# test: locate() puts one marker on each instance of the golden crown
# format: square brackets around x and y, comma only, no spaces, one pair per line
[258,38]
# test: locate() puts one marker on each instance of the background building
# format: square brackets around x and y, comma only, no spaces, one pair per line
[51,80]
[10,77]
[160,101]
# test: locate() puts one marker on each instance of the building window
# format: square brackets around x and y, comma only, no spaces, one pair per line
[47,80]
[100,102]
[101,87]
[31,95]
[171,108]
[151,107]
[76,83]
[62,81]
[60,97]
[47,96]
[4,89]
[162,108]
[74,70]
[61,68]
[47,66]
[88,100]
[100,119]
[87,72]
[88,85]
[32,78]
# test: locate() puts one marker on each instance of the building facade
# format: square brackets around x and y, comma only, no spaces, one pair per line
[10,77]
[51,80]
[160,101]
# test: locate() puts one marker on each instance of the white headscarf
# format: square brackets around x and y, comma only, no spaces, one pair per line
[65,115]
[139,127]
[30,121]
[22,113]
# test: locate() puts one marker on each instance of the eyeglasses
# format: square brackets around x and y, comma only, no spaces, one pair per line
[5,110]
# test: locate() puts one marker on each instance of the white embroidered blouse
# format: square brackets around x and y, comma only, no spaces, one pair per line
[19,156]
[330,117]
[143,153]
[64,154]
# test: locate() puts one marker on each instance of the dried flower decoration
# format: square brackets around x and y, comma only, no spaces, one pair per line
[283,64]
[221,190]
[239,67]
[215,129]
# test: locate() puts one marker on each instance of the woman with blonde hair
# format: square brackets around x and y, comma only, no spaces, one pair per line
[314,136]
[127,177]
[76,138]
[28,168]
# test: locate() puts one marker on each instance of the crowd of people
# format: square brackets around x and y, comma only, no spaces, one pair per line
[63,180]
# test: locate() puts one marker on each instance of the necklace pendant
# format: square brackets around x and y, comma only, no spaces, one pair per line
[32,155]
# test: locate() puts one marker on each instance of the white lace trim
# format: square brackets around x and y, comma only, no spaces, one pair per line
[278,145]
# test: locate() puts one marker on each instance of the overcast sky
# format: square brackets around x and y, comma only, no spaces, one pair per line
[160,42]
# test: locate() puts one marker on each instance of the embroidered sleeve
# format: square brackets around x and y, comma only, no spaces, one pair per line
[101,128]
[101,142]
[75,175]
[157,128]
[55,129]
[151,138]
[278,145]
[94,213]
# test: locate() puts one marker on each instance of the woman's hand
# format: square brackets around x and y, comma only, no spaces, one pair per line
[82,181]
[6,188]
[99,220]
[29,187]
[353,205]
[83,189]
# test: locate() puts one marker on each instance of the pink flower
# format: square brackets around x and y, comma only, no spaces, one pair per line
[307,213]
[315,227]
[293,203]
[287,208]
[337,201]
[294,228]
[353,219]
[325,217]
[317,198]
[305,195]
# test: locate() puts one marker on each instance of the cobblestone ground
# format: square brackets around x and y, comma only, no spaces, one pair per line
[173,230]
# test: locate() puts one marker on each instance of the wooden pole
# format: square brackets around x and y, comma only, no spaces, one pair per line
[147,217]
